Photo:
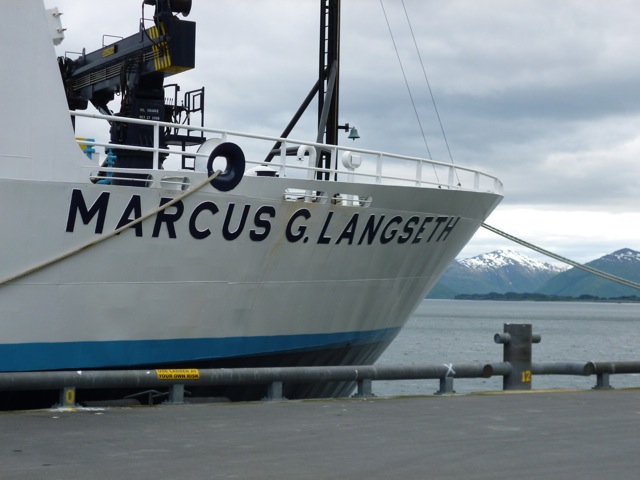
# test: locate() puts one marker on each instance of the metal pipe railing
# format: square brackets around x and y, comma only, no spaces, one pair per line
[92,379]
[516,370]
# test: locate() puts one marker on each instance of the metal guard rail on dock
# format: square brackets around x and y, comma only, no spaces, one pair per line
[92,379]
[517,369]
[273,378]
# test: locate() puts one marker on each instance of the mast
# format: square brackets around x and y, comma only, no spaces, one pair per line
[327,86]
[329,71]
[329,75]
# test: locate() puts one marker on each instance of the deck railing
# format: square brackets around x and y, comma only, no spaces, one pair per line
[348,164]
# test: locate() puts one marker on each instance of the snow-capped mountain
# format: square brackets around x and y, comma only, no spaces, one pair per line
[624,263]
[508,258]
[500,271]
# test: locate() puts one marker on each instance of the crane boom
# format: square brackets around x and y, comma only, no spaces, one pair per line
[135,68]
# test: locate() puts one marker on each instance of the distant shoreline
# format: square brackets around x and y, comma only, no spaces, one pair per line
[538,297]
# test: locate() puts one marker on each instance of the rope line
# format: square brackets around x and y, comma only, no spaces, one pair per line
[415,109]
[426,79]
[607,276]
[108,235]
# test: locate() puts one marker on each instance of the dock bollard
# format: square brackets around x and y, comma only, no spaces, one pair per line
[517,340]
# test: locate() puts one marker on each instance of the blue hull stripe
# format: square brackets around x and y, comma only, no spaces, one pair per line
[108,354]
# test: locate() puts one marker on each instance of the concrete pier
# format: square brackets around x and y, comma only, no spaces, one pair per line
[533,435]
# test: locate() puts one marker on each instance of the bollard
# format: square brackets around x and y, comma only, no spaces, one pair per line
[517,340]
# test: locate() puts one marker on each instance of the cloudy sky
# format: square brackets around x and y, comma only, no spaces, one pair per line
[544,94]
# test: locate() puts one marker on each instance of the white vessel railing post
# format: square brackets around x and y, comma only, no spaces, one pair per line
[156,146]
[419,173]
[283,159]
[346,156]
[313,155]
[311,152]
[451,176]
[333,164]
[476,181]
[379,168]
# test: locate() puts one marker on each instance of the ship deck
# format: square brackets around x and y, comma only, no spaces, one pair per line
[540,434]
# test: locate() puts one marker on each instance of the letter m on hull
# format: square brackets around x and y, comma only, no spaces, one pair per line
[78,205]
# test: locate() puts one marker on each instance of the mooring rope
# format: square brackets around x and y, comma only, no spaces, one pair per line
[108,235]
[613,278]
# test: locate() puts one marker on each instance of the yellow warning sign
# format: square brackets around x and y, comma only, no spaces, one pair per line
[178,374]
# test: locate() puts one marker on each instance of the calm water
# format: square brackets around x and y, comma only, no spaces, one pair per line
[461,331]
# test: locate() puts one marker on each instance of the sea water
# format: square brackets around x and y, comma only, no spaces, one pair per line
[462,331]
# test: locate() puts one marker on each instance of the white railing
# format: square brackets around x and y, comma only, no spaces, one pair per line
[353,165]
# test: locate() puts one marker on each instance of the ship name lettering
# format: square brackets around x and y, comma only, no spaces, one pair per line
[300,231]
[378,228]
[234,224]
[236,220]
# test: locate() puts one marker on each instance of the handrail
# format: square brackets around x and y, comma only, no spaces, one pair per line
[380,167]
[273,377]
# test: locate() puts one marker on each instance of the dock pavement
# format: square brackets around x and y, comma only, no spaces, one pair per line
[535,435]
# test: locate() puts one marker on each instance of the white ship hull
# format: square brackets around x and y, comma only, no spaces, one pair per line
[256,276]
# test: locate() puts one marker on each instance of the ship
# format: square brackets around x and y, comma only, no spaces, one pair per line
[172,244]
